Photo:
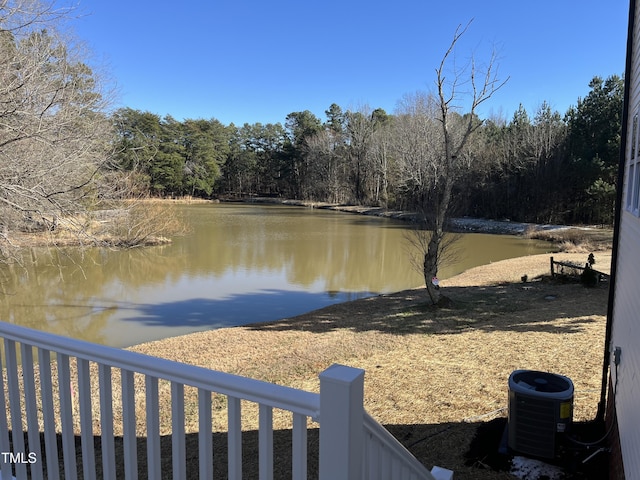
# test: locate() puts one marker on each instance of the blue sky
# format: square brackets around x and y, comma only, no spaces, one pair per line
[257,61]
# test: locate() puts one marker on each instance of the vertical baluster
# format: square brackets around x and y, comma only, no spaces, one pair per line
[396,468]
[177,431]
[66,414]
[129,426]
[153,428]
[385,463]
[86,419]
[372,452]
[48,415]
[366,450]
[106,422]
[234,437]
[205,431]
[5,446]
[265,442]
[14,404]
[299,447]
[31,408]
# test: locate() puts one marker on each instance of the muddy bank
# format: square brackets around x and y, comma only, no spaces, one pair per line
[460,225]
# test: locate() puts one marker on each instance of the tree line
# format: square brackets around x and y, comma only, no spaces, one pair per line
[543,167]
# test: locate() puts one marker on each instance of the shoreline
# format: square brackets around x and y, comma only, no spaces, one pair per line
[503,272]
[567,238]
[548,232]
[460,224]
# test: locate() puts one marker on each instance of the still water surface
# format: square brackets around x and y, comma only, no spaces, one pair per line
[239,264]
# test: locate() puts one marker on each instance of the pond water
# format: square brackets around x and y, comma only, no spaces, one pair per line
[238,264]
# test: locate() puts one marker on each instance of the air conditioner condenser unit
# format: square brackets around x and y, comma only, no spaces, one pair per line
[540,412]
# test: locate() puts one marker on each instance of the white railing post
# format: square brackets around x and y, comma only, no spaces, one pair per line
[341,423]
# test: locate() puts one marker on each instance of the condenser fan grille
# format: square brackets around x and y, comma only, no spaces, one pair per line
[536,427]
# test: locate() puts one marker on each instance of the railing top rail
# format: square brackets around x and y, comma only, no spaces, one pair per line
[277,396]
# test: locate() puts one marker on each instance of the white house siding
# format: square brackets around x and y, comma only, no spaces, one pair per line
[626,335]
[626,312]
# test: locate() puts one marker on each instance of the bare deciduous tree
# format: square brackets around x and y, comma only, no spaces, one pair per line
[54,131]
[433,140]
[360,126]
[324,151]
[383,164]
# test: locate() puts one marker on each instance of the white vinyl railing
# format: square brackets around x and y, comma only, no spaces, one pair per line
[385,457]
[352,445]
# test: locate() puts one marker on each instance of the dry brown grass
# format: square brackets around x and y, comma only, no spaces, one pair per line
[127,224]
[575,239]
[428,370]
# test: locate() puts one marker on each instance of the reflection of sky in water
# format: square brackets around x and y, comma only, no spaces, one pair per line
[203,303]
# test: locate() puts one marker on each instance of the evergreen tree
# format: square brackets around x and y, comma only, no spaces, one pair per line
[594,125]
